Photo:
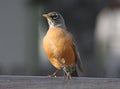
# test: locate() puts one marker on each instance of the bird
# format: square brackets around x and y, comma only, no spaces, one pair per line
[60,47]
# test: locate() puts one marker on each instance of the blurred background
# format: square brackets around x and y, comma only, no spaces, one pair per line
[95,24]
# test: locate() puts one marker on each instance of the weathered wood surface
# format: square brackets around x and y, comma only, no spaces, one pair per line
[41,82]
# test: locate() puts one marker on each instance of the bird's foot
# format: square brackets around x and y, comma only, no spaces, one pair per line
[67,76]
[54,74]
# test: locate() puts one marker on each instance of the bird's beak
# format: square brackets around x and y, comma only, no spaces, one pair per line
[46,15]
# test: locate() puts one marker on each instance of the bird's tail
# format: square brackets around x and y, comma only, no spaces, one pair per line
[78,71]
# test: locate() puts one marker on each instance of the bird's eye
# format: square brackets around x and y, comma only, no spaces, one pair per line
[54,16]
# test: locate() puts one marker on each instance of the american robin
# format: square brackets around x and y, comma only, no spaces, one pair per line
[60,46]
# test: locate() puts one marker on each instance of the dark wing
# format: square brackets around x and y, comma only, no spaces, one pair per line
[78,62]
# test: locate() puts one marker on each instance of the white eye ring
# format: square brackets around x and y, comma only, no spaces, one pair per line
[54,16]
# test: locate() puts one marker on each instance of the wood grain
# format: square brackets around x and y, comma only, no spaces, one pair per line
[43,82]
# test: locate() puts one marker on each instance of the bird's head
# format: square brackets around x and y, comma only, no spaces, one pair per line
[55,19]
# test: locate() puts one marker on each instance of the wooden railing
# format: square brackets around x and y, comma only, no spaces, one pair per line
[43,82]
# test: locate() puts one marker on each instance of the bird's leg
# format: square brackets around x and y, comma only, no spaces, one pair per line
[67,74]
[54,74]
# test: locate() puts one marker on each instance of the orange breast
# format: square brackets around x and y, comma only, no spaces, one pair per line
[58,47]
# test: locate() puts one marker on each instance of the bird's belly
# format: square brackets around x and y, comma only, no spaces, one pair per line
[59,52]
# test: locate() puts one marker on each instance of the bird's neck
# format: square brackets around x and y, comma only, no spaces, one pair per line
[63,26]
